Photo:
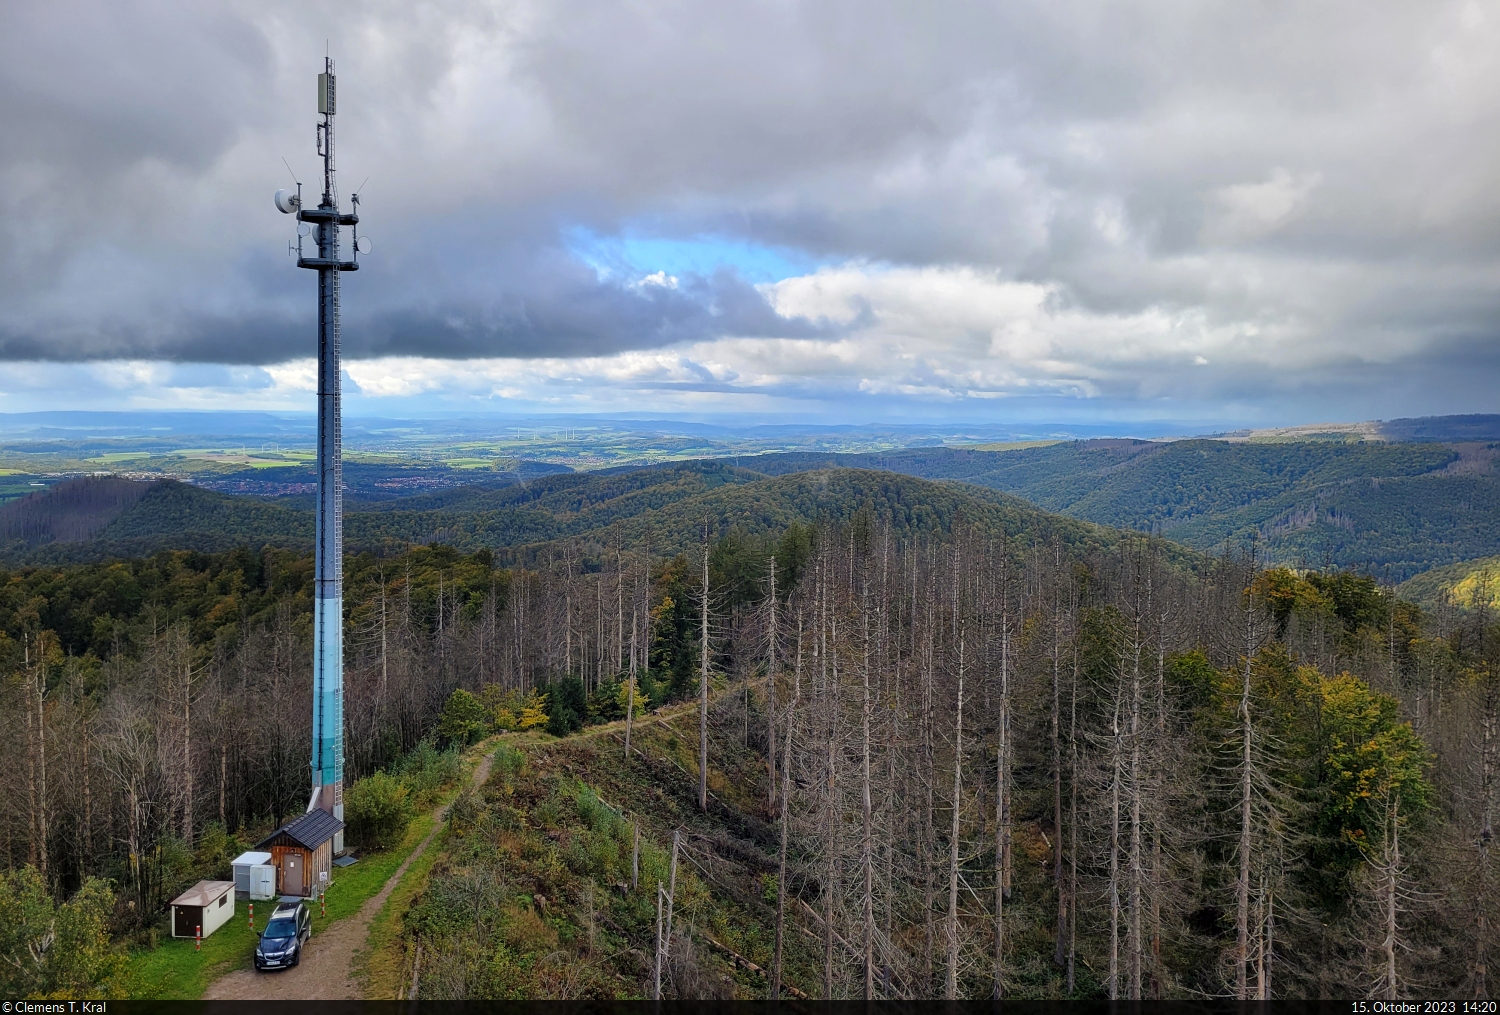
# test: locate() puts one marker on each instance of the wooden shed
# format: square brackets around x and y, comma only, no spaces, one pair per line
[208,904]
[302,853]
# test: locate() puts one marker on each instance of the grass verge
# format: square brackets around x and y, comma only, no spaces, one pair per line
[380,965]
[175,970]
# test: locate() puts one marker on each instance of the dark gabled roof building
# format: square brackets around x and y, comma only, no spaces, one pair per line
[302,853]
[309,831]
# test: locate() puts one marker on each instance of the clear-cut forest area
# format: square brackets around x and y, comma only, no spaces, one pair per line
[895,739]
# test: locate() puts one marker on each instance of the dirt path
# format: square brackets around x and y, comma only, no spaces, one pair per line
[326,972]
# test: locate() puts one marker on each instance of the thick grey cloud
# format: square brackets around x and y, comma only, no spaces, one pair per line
[568,313]
[1315,180]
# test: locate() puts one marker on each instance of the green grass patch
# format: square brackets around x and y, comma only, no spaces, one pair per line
[174,970]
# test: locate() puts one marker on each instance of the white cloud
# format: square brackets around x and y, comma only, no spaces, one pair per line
[1248,211]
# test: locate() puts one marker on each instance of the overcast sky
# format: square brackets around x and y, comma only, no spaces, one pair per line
[1269,212]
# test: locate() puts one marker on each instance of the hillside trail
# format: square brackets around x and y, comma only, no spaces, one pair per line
[663,715]
[326,972]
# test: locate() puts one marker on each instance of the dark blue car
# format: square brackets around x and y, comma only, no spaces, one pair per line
[280,944]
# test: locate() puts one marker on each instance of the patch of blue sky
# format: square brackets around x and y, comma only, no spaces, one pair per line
[628,256]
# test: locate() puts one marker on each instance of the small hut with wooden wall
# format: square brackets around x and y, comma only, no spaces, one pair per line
[302,853]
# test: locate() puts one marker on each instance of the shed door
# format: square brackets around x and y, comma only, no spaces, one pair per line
[293,873]
[186,920]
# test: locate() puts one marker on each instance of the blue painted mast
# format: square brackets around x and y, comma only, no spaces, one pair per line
[328,605]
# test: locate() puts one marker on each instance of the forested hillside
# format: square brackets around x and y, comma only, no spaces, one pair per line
[663,506]
[1471,583]
[984,770]
[996,745]
[1391,510]
[72,511]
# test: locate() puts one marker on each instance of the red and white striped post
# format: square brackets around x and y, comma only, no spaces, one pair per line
[198,939]
[252,916]
[323,903]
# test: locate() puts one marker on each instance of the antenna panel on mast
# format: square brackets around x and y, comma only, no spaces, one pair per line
[326,96]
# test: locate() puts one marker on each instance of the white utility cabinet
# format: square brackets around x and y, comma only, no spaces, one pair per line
[242,865]
[262,881]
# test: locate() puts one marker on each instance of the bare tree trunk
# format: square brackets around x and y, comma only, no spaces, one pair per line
[786,796]
[1257,960]
[771,637]
[1242,902]
[630,693]
[929,780]
[1059,955]
[672,889]
[950,990]
[656,985]
[187,745]
[1137,871]
[1073,817]
[703,689]
[1002,795]
[1392,904]
[34,855]
[867,858]
[1114,852]
[88,796]
[1156,816]
[831,659]
[133,835]
[223,782]
[1269,957]
[43,818]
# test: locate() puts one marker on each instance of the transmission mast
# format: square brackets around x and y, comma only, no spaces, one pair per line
[323,224]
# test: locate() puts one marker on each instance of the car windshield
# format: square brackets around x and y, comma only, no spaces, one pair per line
[281,928]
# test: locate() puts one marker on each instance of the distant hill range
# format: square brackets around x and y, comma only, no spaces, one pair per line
[664,506]
[1423,429]
[1391,509]
[1443,429]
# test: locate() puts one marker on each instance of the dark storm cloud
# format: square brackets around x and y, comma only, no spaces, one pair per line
[591,320]
[1317,173]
